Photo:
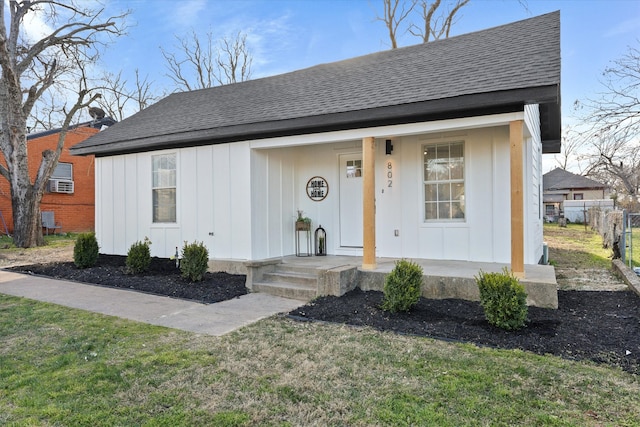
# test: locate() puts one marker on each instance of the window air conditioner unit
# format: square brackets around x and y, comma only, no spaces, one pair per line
[60,186]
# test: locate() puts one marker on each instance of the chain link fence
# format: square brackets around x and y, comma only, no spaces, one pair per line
[631,239]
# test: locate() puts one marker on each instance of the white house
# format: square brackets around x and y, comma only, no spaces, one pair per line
[430,151]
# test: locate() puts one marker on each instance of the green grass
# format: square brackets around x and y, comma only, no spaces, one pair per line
[635,242]
[61,366]
[57,240]
[576,247]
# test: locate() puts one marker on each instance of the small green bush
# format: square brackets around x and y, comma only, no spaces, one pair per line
[503,299]
[85,250]
[194,262]
[402,287]
[139,257]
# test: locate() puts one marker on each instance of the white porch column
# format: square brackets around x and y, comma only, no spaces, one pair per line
[368,204]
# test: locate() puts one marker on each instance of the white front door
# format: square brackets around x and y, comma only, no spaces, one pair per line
[351,200]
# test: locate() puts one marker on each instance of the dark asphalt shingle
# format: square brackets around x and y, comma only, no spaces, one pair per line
[521,55]
[560,179]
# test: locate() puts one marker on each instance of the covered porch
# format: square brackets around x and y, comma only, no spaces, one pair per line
[309,277]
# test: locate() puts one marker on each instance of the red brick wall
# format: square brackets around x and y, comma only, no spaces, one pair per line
[75,212]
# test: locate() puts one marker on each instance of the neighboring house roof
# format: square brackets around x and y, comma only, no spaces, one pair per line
[491,71]
[560,179]
[97,124]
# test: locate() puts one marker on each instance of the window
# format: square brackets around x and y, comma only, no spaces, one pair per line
[61,180]
[578,196]
[354,168]
[63,171]
[444,182]
[164,188]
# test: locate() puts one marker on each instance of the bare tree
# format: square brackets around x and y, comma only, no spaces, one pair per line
[29,70]
[611,125]
[617,110]
[436,25]
[436,18]
[121,99]
[200,64]
[393,18]
[612,159]
[570,147]
[234,60]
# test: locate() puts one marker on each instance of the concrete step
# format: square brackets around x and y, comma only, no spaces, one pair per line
[286,290]
[289,281]
[297,269]
[288,277]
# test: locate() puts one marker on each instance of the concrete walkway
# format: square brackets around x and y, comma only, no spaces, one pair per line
[211,319]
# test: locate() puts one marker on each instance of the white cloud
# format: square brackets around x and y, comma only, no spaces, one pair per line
[629,26]
[187,12]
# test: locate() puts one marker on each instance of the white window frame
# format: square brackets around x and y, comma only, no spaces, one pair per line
[461,202]
[164,181]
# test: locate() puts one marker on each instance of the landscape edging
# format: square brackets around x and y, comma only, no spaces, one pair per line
[626,274]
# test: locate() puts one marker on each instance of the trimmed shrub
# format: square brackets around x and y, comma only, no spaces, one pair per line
[503,299]
[194,262]
[402,287]
[85,250]
[139,257]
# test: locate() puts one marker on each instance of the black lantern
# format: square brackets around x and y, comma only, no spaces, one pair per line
[321,241]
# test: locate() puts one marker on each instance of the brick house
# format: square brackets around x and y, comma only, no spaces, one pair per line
[71,189]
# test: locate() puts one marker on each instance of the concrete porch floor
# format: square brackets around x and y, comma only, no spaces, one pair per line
[465,269]
[442,279]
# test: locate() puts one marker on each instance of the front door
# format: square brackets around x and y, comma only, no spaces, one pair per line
[351,200]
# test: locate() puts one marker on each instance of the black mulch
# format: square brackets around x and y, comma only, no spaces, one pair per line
[163,278]
[600,326]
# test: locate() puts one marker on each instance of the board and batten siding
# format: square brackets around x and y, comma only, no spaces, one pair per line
[241,199]
[534,214]
[213,202]
[482,235]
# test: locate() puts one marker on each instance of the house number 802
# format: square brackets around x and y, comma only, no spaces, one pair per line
[389,174]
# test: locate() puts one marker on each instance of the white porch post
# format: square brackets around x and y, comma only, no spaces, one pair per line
[368,204]
[517,197]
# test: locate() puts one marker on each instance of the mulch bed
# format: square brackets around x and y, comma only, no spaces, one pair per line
[163,278]
[603,327]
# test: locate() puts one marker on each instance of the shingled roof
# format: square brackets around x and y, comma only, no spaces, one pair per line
[491,71]
[560,179]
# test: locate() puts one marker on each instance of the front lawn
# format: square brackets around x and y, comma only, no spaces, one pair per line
[60,366]
[576,246]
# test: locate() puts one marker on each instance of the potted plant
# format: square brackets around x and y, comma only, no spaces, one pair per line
[303,222]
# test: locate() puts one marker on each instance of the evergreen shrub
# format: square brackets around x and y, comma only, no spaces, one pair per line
[402,287]
[139,257]
[194,262]
[85,250]
[503,299]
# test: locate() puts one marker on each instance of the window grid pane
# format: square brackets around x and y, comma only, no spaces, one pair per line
[164,188]
[444,181]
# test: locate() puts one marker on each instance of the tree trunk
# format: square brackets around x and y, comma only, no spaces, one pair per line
[25,199]
[27,229]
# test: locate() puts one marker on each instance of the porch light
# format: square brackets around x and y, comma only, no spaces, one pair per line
[321,241]
[388,147]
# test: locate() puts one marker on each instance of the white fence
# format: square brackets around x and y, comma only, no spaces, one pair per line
[579,210]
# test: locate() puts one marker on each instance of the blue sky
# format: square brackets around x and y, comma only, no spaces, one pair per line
[286,35]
